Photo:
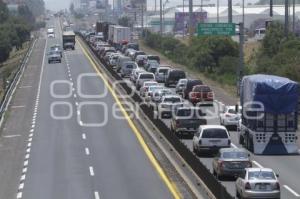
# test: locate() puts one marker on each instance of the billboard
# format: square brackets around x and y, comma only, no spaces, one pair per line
[182,20]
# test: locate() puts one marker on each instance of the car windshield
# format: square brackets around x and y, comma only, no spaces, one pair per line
[261,175]
[146,76]
[214,133]
[235,155]
[172,99]
[130,66]
[154,88]
[202,89]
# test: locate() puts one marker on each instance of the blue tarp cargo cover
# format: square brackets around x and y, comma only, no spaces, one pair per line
[279,95]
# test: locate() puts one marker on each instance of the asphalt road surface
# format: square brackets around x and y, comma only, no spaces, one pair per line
[70,153]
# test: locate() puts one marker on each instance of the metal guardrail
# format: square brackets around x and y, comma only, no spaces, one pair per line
[12,84]
[198,167]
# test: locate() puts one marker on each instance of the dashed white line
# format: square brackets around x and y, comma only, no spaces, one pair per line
[14,107]
[26,163]
[91,171]
[28,150]
[84,136]
[97,196]
[24,170]
[23,177]
[19,195]
[76,103]
[87,151]
[21,186]
[29,144]
[291,190]
[257,164]
[27,156]
[75,95]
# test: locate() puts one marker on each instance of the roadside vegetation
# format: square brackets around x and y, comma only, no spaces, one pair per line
[15,29]
[217,57]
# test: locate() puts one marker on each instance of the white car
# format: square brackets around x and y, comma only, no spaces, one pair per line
[159,94]
[229,117]
[168,105]
[143,77]
[211,138]
[151,90]
[258,183]
[161,73]
[134,75]
[145,87]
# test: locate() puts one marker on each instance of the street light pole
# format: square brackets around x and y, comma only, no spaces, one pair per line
[183,30]
[229,11]
[218,8]
[244,12]
[294,16]
[271,8]
[286,23]
[160,16]
[191,18]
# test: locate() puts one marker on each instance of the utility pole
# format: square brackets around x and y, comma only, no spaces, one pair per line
[240,70]
[229,11]
[218,8]
[243,12]
[183,30]
[294,16]
[286,21]
[142,18]
[191,18]
[155,6]
[160,13]
[271,8]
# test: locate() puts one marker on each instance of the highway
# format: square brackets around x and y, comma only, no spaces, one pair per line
[70,155]
[287,166]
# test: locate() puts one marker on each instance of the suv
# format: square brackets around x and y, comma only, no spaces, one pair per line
[143,77]
[127,68]
[137,53]
[181,84]
[189,87]
[201,93]
[168,105]
[153,57]
[161,72]
[211,138]
[186,120]
[120,61]
[54,56]
[173,76]
[141,60]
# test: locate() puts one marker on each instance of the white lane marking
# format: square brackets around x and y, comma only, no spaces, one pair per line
[33,126]
[84,136]
[92,171]
[76,103]
[27,156]
[291,190]
[234,146]
[21,186]
[257,164]
[87,151]
[30,139]
[29,144]
[19,195]
[14,107]
[25,86]
[11,136]
[24,170]
[75,95]
[96,195]
[26,163]
[78,112]
[23,177]
[28,150]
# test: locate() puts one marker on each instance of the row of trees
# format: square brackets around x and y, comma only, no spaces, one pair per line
[279,55]
[14,28]
[216,56]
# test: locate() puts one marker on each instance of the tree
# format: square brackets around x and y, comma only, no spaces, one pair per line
[37,7]
[72,8]
[26,14]
[4,14]
[5,46]
[124,21]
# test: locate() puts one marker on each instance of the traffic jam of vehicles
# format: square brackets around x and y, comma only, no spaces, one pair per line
[265,119]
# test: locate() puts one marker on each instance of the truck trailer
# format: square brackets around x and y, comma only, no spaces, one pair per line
[68,39]
[102,26]
[118,35]
[269,114]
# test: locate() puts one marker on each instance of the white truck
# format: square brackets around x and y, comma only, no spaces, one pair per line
[118,35]
[50,33]
[269,114]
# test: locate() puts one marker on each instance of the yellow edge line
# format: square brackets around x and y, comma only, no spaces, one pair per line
[160,171]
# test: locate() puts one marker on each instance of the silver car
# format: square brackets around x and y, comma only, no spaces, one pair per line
[158,95]
[168,105]
[230,162]
[161,73]
[258,183]
[127,68]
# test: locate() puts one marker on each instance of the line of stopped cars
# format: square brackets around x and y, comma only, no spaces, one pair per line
[175,96]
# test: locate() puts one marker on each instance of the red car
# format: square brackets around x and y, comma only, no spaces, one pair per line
[201,93]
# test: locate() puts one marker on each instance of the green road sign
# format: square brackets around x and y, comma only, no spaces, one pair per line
[216,29]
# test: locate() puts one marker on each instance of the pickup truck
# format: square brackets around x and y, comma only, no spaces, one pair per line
[186,120]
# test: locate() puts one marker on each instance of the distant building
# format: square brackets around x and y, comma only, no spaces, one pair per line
[16,2]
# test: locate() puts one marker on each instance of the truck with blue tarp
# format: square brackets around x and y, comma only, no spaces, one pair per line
[269,114]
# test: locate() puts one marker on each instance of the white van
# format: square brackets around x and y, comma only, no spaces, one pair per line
[50,33]
[260,34]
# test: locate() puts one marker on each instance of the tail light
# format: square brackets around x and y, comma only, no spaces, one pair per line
[221,164]
[210,95]
[193,95]
[277,186]
[247,186]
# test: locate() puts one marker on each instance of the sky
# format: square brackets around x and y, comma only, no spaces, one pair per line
[57,5]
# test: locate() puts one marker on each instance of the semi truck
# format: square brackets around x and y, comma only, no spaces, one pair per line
[103,27]
[68,39]
[118,35]
[269,114]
